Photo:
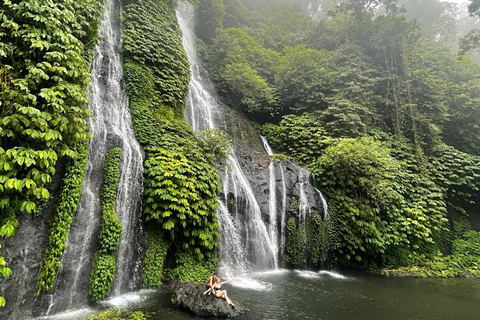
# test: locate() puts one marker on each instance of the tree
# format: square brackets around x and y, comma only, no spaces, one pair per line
[210,15]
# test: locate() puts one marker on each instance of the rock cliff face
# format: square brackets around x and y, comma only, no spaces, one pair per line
[255,162]
[189,296]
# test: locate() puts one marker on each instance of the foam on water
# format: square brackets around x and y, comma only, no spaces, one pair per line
[307,274]
[251,284]
[274,272]
[318,275]
[332,274]
[128,299]
[70,315]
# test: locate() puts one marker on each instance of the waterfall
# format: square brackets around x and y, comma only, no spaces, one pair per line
[247,226]
[283,215]
[272,202]
[267,147]
[303,203]
[110,126]
[324,206]
[246,242]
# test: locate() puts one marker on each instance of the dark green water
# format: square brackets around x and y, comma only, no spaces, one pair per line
[357,296]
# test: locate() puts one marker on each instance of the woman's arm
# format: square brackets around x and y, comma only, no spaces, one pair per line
[225,282]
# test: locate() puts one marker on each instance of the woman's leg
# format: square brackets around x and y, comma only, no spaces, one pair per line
[223,294]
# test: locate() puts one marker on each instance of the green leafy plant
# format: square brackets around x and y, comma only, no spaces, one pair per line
[154,258]
[110,229]
[189,268]
[43,111]
[102,276]
[103,270]
[63,216]
[181,183]
[216,143]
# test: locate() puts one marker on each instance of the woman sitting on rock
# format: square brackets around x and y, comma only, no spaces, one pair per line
[216,288]
[210,282]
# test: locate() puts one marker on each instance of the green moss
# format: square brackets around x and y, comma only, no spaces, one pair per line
[154,258]
[102,276]
[103,270]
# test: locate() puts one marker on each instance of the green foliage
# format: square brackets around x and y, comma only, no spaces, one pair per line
[181,193]
[114,314]
[103,270]
[216,143]
[181,183]
[304,78]
[377,210]
[5,272]
[101,279]
[301,136]
[465,257]
[110,229]
[152,42]
[154,258]
[459,174]
[191,269]
[296,244]
[43,76]
[65,210]
[209,15]
[306,244]
[243,67]
[317,238]
[293,206]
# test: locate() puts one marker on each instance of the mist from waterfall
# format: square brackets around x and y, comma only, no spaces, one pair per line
[110,126]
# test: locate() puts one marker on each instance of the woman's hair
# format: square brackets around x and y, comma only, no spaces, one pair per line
[212,280]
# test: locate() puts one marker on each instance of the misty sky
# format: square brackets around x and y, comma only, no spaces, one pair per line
[456,1]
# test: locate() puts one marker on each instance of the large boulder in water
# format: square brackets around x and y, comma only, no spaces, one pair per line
[190,296]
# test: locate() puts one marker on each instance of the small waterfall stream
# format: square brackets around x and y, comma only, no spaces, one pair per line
[272,201]
[110,126]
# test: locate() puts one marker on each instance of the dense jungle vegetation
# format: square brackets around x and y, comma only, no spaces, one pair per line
[384,109]
[379,106]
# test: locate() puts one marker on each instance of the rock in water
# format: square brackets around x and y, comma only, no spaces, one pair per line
[190,297]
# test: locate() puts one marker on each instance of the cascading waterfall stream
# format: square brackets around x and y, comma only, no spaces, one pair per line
[272,201]
[248,225]
[110,126]
[326,217]
[247,242]
[303,205]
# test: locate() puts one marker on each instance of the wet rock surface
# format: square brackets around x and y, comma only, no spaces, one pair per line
[190,297]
